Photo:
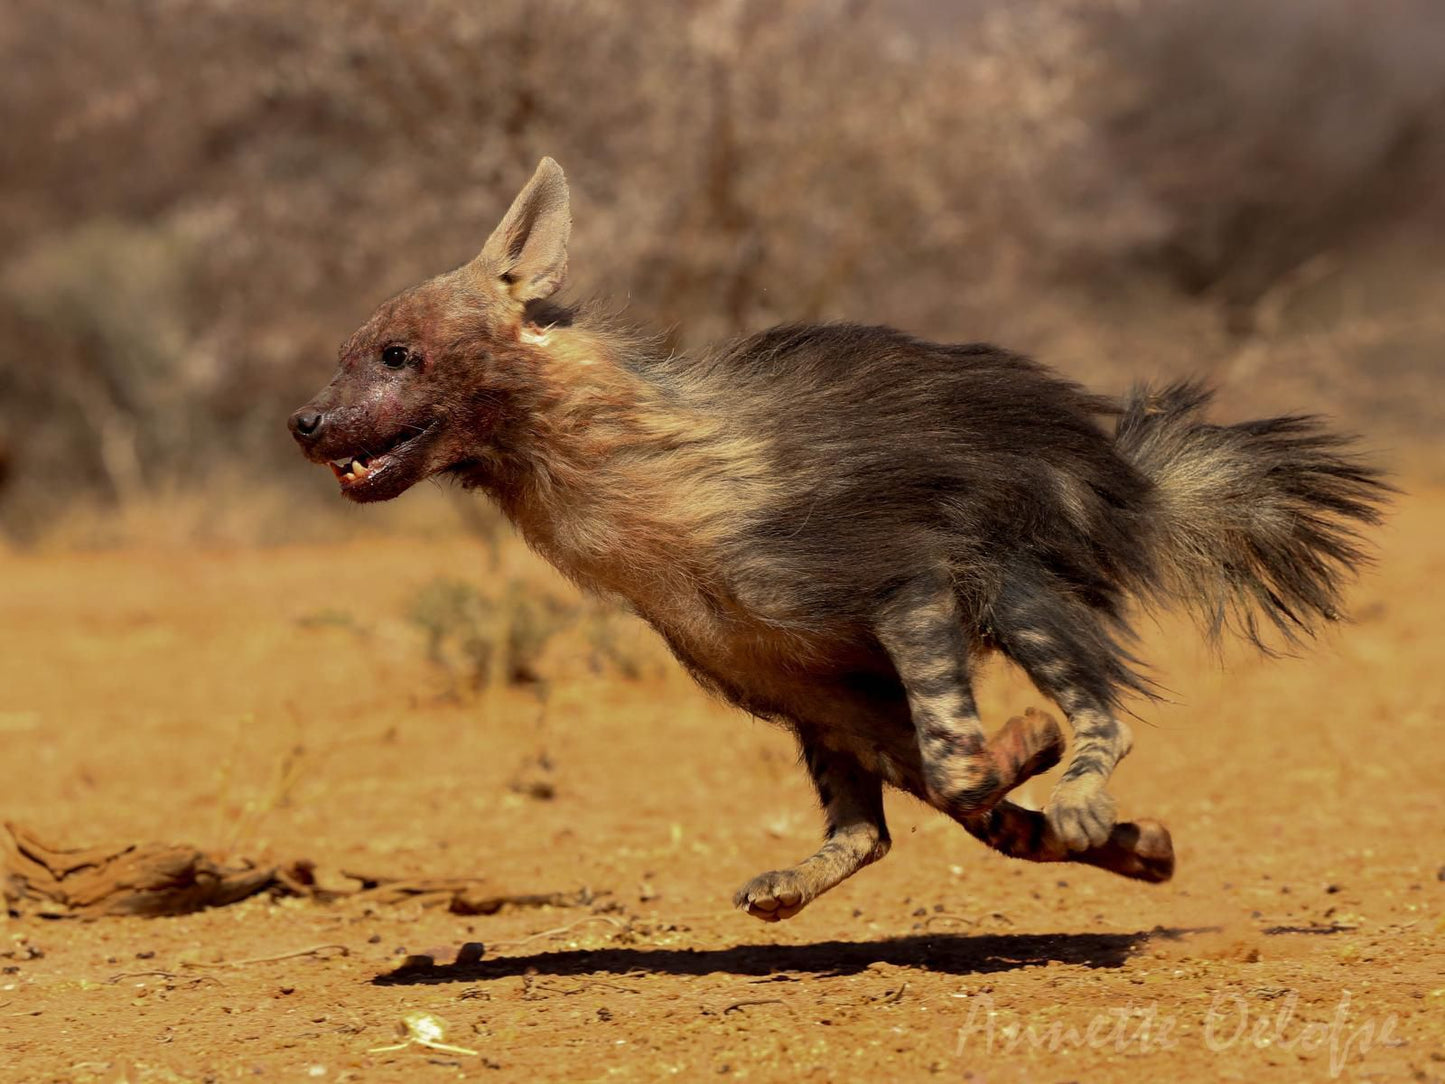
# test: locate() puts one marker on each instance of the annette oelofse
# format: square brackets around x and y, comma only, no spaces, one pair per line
[1233,1020]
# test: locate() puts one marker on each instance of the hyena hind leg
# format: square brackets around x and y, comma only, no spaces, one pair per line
[1077,671]
[922,630]
[852,800]
[1080,810]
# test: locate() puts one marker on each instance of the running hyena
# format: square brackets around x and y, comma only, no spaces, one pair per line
[830,525]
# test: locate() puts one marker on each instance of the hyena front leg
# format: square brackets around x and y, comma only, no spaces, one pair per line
[922,631]
[857,835]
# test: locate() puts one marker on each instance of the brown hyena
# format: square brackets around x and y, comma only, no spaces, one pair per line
[831,525]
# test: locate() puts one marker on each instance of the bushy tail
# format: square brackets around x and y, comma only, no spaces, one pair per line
[1254,520]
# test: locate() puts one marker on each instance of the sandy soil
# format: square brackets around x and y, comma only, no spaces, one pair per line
[278,704]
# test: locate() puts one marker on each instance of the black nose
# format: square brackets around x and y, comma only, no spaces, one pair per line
[306,424]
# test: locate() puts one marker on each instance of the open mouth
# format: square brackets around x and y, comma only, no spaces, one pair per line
[351,470]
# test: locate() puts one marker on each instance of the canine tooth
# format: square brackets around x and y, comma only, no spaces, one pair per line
[359,468]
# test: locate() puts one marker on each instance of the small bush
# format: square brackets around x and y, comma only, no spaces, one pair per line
[482,641]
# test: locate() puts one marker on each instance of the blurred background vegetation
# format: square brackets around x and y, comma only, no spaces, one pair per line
[200,198]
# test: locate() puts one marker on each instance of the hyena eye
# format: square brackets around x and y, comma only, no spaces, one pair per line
[394,357]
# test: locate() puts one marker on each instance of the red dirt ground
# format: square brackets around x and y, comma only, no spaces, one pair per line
[276,704]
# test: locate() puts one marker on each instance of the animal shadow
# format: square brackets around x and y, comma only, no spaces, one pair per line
[950,954]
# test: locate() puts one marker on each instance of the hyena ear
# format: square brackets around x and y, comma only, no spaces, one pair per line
[526,256]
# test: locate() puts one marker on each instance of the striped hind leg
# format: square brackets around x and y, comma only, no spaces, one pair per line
[922,630]
[1080,810]
[857,835]
[1070,656]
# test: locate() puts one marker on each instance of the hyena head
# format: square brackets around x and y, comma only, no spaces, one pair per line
[433,381]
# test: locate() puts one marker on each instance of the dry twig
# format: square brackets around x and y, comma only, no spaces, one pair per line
[322,951]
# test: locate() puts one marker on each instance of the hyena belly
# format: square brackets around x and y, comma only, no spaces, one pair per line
[837,692]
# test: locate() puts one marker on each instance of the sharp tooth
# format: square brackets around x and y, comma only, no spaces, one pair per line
[359,468]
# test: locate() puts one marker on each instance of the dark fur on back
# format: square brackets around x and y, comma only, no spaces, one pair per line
[1053,507]
[906,446]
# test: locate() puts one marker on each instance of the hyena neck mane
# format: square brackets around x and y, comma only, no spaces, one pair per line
[609,469]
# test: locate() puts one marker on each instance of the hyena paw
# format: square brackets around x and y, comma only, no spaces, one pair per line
[777,894]
[1081,813]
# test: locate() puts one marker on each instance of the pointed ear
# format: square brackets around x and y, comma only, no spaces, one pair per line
[526,256]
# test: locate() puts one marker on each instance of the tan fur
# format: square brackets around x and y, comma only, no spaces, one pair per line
[618,470]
